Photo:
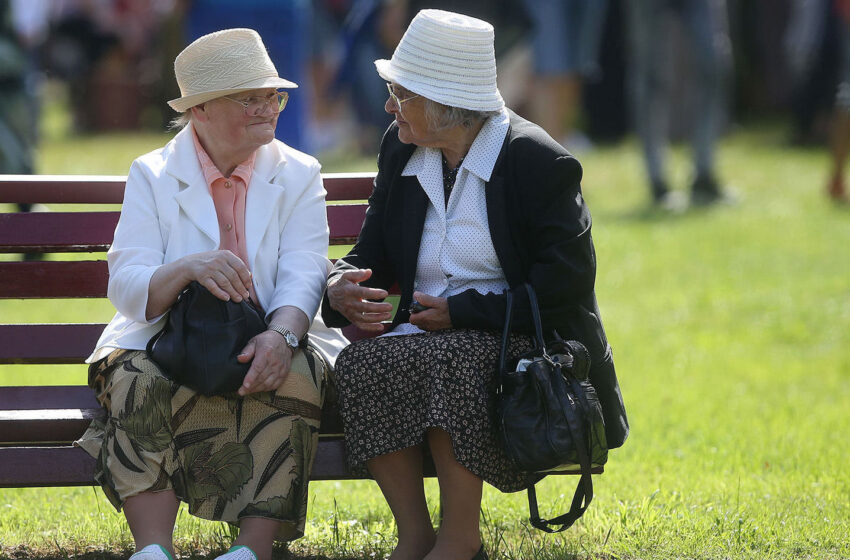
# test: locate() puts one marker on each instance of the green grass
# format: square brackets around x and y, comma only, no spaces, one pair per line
[730,331]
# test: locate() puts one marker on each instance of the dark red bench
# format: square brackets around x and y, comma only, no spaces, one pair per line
[38,424]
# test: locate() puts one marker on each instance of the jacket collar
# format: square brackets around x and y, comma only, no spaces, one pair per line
[195,200]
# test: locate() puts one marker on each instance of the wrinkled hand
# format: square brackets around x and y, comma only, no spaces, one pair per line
[436,317]
[349,298]
[270,357]
[221,272]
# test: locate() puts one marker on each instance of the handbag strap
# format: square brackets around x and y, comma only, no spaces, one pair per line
[506,332]
[584,490]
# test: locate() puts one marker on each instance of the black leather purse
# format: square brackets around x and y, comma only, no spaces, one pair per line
[549,416]
[201,339]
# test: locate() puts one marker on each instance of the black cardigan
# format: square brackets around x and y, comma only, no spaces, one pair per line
[540,228]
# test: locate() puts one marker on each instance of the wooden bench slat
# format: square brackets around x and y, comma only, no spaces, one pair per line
[63,189]
[48,344]
[71,466]
[348,186]
[109,189]
[345,221]
[44,427]
[73,232]
[49,397]
[60,232]
[61,413]
[53,279]
[70,343]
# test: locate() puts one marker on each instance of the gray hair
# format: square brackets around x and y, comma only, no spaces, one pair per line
[179,122]
[444,117]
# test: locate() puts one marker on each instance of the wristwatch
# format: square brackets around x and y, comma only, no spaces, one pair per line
[290,337]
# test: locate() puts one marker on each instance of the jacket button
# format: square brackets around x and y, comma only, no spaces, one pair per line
[227,184]
[228,227]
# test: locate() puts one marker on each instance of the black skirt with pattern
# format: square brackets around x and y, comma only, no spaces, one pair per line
[393,388]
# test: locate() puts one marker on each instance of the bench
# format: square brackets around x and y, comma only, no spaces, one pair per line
[39,423]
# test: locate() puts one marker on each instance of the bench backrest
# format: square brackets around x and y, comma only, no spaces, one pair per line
[91,231]
[38,423]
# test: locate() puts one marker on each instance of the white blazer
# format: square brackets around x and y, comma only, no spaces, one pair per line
[168,213]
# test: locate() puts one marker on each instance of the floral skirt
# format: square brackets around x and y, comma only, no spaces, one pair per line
[227,457]
[393,388]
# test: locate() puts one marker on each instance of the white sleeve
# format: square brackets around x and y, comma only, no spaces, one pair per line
[137,249]
[303,266]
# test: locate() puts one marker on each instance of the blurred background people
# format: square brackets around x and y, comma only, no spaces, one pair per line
[18,113]
[566,40]
[22,30]
[706,31]
[840,145]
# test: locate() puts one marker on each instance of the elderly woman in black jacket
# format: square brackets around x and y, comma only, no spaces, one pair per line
[470,200]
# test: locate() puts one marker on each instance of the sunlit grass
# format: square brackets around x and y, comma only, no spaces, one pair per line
[730,333]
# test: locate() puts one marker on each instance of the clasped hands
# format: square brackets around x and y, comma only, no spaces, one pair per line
[352,300]
[228,278]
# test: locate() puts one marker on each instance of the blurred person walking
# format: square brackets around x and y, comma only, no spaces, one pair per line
[706,29]
[566,41]
[17,124]
[840,144]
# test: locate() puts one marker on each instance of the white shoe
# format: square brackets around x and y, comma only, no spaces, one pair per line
[152,552]
[238,552]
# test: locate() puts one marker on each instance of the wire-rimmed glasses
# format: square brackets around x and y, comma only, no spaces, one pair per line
[395,98]
[257,105]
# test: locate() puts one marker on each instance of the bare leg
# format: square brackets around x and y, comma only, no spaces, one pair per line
[556,104]
[257,533]
[459,537]
[151,517]
[399,475]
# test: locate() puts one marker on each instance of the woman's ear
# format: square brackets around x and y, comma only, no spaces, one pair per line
[199,112]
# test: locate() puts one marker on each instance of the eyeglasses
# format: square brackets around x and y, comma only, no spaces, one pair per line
[395,98]
[257,105]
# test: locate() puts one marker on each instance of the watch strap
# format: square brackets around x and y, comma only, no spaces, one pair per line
[290,337]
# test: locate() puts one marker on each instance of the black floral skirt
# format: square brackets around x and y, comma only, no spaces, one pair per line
[393,388]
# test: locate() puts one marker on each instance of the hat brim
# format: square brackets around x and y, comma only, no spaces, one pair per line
[436,91]
[387,72]
[182,104]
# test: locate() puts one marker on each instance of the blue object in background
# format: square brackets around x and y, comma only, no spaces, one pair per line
[284,26]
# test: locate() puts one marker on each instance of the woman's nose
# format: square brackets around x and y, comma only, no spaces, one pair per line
[390,106]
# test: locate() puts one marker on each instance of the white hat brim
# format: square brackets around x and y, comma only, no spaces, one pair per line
[185,103]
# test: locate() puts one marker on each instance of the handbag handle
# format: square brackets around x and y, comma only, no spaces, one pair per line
[584,490]
[506,332]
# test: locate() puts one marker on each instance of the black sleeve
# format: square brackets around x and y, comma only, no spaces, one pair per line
[370,249]
[554,239]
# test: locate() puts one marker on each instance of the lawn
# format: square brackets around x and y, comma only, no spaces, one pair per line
[730,333]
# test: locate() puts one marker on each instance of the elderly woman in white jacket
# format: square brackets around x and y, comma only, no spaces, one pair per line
[228,206]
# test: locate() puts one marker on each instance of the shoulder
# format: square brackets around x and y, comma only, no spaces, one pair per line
[532,151]
[295,161]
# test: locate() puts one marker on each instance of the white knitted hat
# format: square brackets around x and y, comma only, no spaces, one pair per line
[223,63]
[448,58]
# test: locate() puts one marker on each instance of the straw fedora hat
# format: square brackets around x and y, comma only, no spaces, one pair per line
[448,58]
[223,63]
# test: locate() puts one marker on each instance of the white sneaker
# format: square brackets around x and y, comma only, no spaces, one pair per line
[152,552]
[238,552]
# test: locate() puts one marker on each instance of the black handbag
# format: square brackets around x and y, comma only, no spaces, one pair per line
[549,415]
[201,339]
